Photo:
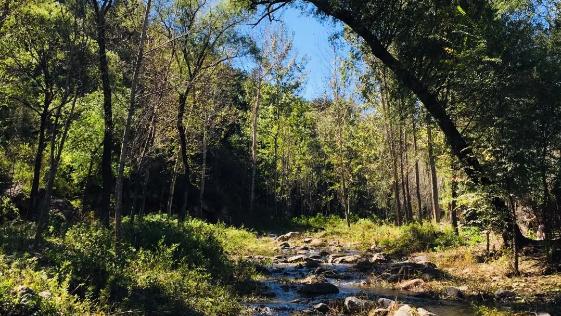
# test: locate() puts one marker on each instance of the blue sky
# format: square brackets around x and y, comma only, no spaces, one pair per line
[311,43]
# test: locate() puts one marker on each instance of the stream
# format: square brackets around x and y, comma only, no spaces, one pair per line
[282,294]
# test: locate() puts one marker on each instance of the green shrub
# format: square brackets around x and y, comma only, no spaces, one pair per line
[8,211]
[164,267]
[24,290]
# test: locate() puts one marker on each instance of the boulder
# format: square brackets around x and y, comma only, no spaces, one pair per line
[287,236]
[385,302]
[354,304]
[321,307]
[307,240]
[347,259]
[312,263]
[407,285]
[404,310]
[284,245]
[319,288]
[317,243]
[424,312]
[504,294]
[454,292]
[378,258]
[333,257]
[297,258]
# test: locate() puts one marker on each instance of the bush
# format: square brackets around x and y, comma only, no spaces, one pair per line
[8,210]
[26,291]
[164,267]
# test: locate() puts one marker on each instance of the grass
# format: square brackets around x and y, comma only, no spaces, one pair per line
[397,240]
[165,267]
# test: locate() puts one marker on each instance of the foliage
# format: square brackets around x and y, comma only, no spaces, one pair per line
[165,266]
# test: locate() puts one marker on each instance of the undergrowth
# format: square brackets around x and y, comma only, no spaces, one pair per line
[399,240]
[164,267]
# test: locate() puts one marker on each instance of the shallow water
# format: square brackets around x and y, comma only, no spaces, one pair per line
[287,300]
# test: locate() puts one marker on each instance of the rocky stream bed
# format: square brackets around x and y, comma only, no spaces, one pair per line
[324,278]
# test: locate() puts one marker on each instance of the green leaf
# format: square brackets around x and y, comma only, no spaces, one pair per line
[461,10]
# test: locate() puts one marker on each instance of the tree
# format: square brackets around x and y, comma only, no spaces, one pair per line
[126,137]
[101,10]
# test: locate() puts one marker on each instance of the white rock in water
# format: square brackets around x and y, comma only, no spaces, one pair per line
[404,310]
[424,312]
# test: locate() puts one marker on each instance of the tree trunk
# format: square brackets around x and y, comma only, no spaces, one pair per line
[203,171]
[417,177]
[255,116]
[404,190]
[453,202]
[172,187]
[434,178]
[55,155]
[37,165]
[106,170]
[182,212]
[515,246]
[126,134]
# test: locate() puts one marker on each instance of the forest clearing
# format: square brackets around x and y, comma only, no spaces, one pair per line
[280,157]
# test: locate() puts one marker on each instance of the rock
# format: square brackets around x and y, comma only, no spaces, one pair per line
[347,259]
[45,294]
[364,265]
[354,305]
[321,307]
[379,312]
[307,240]
[317,243]
[378,258]
[284,245]
[21,290]
[297,258]
[320,288]
[324,253]
[505,294]
[454,292]
[407,285]
[312,263]
[264,311]
[424,312]
[385,302]
[404,310]
[333,257]
[287,236]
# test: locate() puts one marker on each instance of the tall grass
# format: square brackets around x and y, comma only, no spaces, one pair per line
[399,240]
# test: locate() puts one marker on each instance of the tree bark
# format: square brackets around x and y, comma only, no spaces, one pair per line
[38,162]
[172,187]
[126,134]
[182,212]
[203,170]
[434,178]
[453,202]
[106,169]
[417,177]
[55,155]
[255,117]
